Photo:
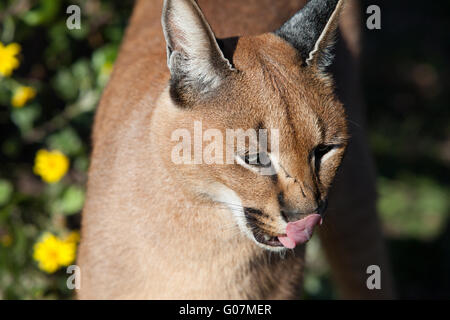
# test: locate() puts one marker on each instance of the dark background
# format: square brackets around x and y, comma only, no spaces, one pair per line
[407,88]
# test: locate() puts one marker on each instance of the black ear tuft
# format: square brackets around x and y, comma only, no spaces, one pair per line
[311,31]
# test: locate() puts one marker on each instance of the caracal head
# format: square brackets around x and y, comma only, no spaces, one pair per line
[252,123]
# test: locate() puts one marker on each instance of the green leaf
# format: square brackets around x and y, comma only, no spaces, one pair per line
[24,117]
[72,200]
[44,13]
[67,141]
[6,190]
[416,207]
[66,85]
[81,163]
[83,74]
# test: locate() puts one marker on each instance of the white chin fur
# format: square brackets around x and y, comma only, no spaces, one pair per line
[228,197]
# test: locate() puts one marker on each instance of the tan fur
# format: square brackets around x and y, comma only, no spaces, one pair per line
[151,229]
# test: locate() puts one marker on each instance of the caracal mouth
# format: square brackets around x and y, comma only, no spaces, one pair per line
[268,240]
[297,233]
[300,231]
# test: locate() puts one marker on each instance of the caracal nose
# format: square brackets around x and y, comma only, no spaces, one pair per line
[297,201]
[291,215]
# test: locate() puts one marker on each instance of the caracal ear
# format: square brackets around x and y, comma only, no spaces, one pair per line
[311,31]
[196,62]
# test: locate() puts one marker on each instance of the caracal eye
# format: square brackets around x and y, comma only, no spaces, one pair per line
[322,150]
[321,153]
[261,159]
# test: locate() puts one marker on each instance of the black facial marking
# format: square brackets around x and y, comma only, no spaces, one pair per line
[323,204]
[274,178]
[281,200]
[303,192]
[252,213]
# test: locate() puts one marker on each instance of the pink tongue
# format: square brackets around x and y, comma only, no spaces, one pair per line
[300,231]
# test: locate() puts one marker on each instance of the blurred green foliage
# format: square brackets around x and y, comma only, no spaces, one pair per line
[68,69]
[406,76]
[413,206]
[406,90]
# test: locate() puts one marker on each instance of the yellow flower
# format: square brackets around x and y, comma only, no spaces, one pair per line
[8,59]
[52,253]
[22,95]
[50,165]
